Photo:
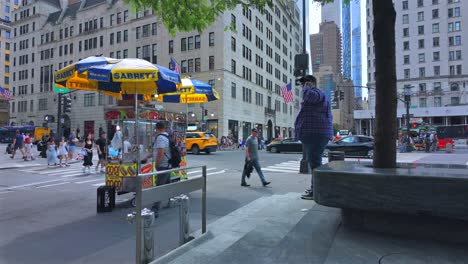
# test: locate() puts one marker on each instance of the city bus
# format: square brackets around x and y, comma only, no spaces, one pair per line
[7,133]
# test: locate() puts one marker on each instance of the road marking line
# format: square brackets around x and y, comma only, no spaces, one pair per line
[57,173]
[99,184]
[6,192]
[195,171]
[50,185]
[283,167]
[275,170]
[26,185]
[80,182]
[211,173]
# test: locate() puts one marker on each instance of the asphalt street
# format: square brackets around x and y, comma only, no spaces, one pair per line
[49,214]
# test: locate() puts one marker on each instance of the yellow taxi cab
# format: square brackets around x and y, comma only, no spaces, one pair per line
[201,141]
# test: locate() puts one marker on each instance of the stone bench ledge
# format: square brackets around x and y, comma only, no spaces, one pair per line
[413,189]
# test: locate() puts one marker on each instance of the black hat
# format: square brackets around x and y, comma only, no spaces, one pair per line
[254,130]
[307,78]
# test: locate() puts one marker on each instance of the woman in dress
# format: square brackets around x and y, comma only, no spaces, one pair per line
[88,149]
[51,152]
[63,152]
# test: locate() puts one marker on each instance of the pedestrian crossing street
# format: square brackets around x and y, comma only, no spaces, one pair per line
[74,175]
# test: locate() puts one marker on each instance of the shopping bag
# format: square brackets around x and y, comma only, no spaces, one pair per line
[84,152]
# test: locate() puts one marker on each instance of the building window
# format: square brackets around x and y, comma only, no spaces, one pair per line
[233,44]
[89,99]
[191,44]
[406,45]
[125,35]
[435,42]
[459,69]
[406,59]
[406,32]
[125,53]
[436,56]
[421,44]
[197,42]
[42,104]
[154,57]
[154,29]
[407,73]
[454,87]
[171,46]
[420,3]
[455,100]
[125,16]
[452,70]
[233,66]
[437,86]
[436,70]
[184,66]
[435,13]
[421,57]
[211,39]
[421,16]
[437,101]
[183,44]
[435,28]
[197,65]
[422,102]
[421,30]
[422,72]
[405,5]
[233,90]
[211,63]
[422,87]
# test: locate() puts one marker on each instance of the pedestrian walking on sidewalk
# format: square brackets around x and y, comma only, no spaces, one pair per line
[18,143]
[251,155]
[102,148]
[87,152]
[51,152]
[63,152]
[313,126]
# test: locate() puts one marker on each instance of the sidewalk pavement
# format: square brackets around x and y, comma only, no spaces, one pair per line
[286,229]
[7,163]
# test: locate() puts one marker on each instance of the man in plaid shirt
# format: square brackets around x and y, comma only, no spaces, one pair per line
[313,125]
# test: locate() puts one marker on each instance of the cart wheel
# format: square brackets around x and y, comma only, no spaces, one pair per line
[133,202]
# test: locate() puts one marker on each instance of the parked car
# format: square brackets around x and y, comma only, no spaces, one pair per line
[201,141]
[352,146]
[284,145]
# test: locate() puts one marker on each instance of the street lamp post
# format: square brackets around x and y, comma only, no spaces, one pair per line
[407,100]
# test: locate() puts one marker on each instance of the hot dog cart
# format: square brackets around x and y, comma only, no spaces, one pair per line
[127,150]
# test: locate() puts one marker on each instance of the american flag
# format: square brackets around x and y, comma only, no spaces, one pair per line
[5,93]
[174,66]
[287,93]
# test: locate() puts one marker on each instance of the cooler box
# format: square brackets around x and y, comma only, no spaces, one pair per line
[105,199]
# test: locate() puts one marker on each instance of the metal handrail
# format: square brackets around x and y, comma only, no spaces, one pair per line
[165,192]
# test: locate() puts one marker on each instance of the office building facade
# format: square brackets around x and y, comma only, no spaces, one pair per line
[247,67]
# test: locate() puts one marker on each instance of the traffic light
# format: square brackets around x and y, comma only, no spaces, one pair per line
[414,125]
[335,96]
[66,104]
[341,95]
[206,112]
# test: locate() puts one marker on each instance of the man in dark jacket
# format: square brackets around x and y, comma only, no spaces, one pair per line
[313,126]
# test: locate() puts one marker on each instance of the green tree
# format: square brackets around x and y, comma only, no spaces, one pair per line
[188,15]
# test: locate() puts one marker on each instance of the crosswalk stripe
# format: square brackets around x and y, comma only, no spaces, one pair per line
[26,185]
[81,182]
[50,185]
[197,171]
[275,170]
[99,184]
[282,168]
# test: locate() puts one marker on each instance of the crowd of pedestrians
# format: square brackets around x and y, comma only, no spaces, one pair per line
[423,142]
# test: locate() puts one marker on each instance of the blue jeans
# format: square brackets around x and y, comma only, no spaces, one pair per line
[314,147]
[257,167]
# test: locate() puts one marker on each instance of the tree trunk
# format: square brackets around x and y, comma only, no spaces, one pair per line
[385,84]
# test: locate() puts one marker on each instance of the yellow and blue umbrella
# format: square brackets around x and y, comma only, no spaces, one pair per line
[191,91]
[124,78]
[77,68]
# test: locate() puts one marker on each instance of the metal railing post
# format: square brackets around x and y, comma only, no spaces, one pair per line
[204,200]
[138,225]
[184,224]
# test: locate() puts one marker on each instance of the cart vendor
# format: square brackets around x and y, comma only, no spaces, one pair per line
[161,154]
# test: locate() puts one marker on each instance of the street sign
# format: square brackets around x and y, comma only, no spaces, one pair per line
[411,115]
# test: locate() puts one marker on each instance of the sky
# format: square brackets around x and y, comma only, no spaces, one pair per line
[314,22]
